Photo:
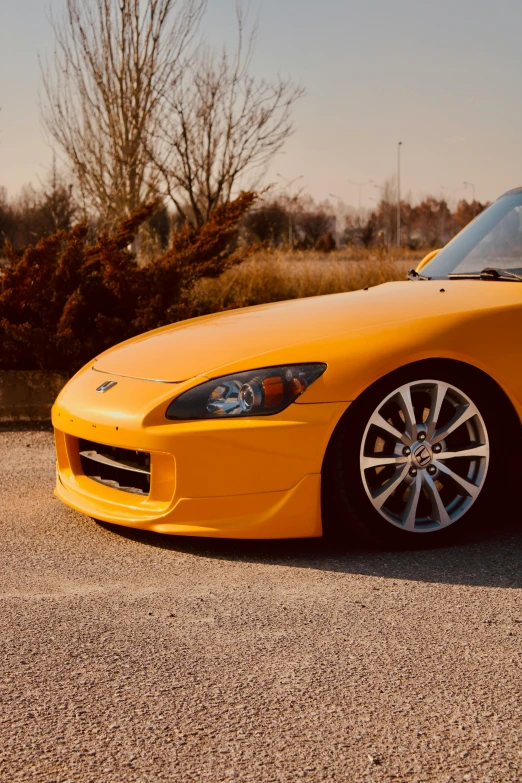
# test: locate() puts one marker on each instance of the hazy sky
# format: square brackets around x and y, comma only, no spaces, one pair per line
[443,77]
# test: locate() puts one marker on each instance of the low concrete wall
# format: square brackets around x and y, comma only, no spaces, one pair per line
[28,395]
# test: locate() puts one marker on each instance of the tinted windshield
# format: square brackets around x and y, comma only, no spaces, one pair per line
[493,239]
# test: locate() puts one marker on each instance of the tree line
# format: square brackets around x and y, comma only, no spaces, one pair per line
[302,224]
[281,222]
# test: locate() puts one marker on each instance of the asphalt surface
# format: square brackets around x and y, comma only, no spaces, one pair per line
[128,656]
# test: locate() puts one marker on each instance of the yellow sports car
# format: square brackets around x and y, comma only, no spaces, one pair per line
[384,414]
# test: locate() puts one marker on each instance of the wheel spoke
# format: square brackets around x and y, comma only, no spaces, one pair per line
[462,415]
[480,450]
[380,422]
[438,508]
[406,406]
[438,394]
[383,493]
[377,462]
[410,512]
[466,486]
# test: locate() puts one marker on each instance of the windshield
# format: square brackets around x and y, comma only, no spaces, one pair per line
[493,239]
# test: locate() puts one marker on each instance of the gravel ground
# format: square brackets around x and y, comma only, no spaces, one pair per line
[127,656]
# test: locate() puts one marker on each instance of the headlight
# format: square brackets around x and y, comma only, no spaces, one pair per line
[253,393]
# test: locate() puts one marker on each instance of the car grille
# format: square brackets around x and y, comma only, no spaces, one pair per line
[117,468]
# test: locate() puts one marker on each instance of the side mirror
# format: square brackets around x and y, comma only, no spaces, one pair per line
[426,260]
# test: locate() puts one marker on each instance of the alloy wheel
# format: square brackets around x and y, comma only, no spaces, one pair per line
[424,456]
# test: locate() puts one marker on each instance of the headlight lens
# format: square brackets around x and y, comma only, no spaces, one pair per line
[253,393]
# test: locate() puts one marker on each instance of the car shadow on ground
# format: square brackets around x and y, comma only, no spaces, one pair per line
[489,557]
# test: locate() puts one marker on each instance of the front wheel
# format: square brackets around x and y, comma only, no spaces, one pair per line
[414,459]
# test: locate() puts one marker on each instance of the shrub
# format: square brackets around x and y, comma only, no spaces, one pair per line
[36,213]
[312,225]
[66,300]
[268,224]
[326,243]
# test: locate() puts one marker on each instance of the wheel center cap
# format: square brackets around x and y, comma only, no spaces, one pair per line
[422,455]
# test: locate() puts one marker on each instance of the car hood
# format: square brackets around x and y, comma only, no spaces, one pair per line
[285,331]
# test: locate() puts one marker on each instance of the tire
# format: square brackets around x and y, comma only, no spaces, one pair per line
[386,479]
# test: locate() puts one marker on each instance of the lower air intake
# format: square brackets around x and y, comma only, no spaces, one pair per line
[118,468]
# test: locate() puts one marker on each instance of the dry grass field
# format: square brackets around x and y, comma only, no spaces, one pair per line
[272,276]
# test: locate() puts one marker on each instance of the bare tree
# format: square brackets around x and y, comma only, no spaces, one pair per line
[104,89]
[221,128]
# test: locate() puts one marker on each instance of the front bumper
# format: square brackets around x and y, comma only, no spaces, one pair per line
[247,478]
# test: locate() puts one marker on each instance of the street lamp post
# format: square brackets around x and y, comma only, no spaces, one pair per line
[399,145]
[360,185]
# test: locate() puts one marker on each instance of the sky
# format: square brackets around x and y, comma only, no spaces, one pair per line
[444,77]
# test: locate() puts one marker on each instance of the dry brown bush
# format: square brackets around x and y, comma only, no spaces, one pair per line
[67,299]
